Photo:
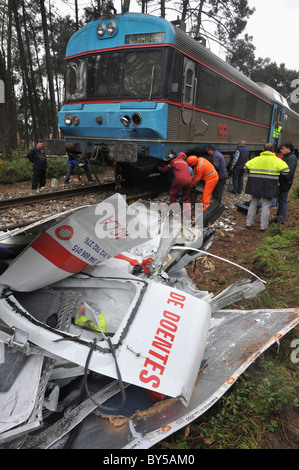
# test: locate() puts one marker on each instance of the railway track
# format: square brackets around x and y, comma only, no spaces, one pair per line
[127,190]
[40,198]
[46,196]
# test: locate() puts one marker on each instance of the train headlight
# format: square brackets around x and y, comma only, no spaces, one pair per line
[101,30]
[136,119]
[111,28]
[125,120]
[68,119]
[76,120]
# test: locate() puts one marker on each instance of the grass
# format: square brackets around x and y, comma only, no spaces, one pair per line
[250,411]
[277,251]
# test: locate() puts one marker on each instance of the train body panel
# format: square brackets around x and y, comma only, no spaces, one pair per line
[110,115]
[137,88]
[219,129]
[290,129]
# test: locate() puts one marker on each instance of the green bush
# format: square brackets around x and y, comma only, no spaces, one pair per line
[56,167]
[20,169]
[15,170]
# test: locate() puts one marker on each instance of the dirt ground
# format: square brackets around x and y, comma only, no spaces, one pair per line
[24,187]
[234,242]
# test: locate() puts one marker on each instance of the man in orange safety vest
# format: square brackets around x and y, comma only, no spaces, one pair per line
[203,170]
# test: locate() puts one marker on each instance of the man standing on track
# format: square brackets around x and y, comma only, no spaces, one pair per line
[38,158]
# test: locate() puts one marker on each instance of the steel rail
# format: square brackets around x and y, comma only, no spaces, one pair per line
[129,199]
[66,193]
[46,196]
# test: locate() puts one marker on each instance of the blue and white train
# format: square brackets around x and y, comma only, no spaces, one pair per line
[138,87]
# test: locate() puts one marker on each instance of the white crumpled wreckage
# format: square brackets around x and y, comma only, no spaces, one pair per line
[100,295]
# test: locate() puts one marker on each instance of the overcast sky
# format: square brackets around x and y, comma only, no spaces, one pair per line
[273,26]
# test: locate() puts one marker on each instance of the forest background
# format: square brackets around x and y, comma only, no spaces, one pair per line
[34,37]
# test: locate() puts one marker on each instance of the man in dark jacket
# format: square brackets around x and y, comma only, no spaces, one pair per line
[238,163]
[218,161]
[38,158]
[286,182]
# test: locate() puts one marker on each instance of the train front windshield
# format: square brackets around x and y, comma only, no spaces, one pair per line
[125,74]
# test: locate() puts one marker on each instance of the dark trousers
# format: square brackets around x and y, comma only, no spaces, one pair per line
[218,191]
[238,176]
[69,169]
[282,206]
[39,178]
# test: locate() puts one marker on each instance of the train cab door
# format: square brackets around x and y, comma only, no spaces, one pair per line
[278,115]
[188,90]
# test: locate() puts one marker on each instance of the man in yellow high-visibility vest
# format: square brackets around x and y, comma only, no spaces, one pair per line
[262,183]
[276,133]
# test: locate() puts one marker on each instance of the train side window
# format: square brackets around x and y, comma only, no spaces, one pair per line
[279,118]
[274,117]
[240,103]
[251,105]
[245,104]
[263,112]
[206,93]
[173,85]
[75,83]
[142,73]
[189,82]
[226,96]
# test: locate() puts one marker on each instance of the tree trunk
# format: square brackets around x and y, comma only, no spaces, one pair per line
[185,9]
[35,99]
[54,58]
[49,71]
[40,77]
[162,8]
[8,119]
[24,67]
[26,130]
[77,15]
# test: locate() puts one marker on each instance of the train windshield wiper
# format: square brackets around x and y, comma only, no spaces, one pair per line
[152,83]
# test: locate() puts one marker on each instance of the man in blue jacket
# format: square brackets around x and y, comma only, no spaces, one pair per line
[218,161]
[71,163]
[38,158]
[238,163]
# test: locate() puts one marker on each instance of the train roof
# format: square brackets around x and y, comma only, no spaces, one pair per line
[87,40]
